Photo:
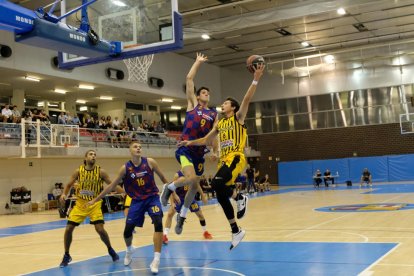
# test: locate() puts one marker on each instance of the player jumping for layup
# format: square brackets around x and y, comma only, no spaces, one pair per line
[199,120]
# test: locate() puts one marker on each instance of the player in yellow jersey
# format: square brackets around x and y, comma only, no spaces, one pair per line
[90,178]
[232,138]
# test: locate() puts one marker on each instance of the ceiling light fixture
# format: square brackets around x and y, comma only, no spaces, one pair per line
[305,44]
[341,11]
[60,91]
[360,27]
[283,32]
[52,105]
[118,3]
[166,100]
[329,59]
[205,36]
[85,86]
[105,98]
[81,101]
[176,107]
[233,47]
[31,78]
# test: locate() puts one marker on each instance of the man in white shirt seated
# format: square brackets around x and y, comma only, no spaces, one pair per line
[7,114]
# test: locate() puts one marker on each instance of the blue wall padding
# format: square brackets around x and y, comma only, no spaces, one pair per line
[295,173]
[383,169]
[400,167]
[378,166]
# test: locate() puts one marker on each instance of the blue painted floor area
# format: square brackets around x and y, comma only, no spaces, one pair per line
[249,258]
[32,228]
[390,189]
[38,227]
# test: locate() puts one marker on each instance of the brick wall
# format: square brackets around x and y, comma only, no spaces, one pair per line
[372,140]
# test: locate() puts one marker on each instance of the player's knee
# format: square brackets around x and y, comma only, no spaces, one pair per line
[128,230]
[157,221]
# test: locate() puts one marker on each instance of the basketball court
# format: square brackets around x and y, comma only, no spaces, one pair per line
[288,233]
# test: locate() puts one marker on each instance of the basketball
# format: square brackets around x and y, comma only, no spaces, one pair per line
[253,61]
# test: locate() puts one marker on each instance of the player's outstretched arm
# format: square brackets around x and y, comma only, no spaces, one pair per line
[191,97]
[69,185]
[110,186]
[244,106]
[206,140]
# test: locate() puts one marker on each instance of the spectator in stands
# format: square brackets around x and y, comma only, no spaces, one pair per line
[328,177]
[75,120]
[256,179]
[250,178]
[102,122]
[109,122]
[159,128]
[35,114]
[129,125]
[16,115]
[7,114]
[61,119]
[69,119]
[317,178]
[44,117]
[116,123]
[57,191]
[145,125]
[366,177]
[264,183]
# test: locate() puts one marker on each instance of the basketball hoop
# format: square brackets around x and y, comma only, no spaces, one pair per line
[138,67]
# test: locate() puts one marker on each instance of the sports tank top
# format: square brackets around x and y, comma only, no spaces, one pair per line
[232,136]
[90,183]
[139,180]
[198,123]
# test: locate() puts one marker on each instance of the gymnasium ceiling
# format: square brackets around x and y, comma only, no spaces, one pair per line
[370,33]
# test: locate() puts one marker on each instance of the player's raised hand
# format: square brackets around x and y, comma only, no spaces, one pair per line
[201,58]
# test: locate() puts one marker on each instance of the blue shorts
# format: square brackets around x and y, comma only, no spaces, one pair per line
[198,162]
[194,207]
[138,208]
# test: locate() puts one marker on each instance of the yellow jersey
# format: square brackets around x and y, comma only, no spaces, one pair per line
[90,183]
[232,135]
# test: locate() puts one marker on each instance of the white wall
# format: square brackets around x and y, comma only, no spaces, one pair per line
[45,172]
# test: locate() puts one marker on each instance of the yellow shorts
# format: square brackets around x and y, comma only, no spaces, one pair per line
[80,212]
[228,159]
[127,202]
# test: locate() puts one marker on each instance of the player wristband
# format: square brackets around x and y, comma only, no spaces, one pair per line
[255,82]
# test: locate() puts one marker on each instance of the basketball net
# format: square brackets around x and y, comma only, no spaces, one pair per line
[138,68]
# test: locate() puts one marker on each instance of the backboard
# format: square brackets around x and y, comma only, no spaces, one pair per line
[143,26]
[407,123]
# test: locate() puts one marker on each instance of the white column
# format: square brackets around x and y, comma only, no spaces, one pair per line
[18,98]
[70,103]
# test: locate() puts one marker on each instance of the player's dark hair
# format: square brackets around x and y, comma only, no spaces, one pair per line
[234,104]
[201,88]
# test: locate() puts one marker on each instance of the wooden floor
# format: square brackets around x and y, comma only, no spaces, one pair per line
[286,215]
